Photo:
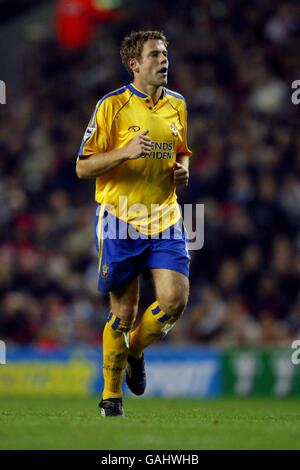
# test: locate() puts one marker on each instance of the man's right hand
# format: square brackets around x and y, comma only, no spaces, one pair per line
[139,146]
[96,165]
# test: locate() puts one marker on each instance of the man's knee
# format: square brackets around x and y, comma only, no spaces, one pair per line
[174,302]
[124,303]
[124,311]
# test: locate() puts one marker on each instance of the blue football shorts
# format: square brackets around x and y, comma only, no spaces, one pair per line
[125,253]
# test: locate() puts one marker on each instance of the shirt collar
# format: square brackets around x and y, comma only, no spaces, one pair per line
[142,95]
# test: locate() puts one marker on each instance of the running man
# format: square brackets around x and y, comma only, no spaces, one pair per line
[135,147]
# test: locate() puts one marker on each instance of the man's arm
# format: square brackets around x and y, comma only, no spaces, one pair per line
[181,170]
[100,163]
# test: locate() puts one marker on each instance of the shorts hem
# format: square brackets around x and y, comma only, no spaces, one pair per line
[116,286]
[172,267]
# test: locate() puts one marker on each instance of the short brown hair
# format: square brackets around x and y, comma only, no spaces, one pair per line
[132,45]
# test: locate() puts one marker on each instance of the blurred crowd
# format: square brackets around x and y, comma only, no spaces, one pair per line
[234,62]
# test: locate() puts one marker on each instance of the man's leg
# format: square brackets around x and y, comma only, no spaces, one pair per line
[172,290]
[116,338]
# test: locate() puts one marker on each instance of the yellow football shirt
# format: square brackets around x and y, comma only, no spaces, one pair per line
[139,191]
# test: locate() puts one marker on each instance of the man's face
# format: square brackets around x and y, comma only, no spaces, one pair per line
[152,67]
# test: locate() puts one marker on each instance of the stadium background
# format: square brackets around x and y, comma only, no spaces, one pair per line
[234,61]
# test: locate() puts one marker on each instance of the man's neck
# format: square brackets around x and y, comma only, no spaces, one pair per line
[151,90]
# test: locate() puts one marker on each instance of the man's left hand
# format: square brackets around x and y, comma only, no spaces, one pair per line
[180,174]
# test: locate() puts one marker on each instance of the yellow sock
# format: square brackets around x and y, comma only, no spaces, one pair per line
[154,324]
[115,352]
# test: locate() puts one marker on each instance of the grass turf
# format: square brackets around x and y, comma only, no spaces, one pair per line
[150,424]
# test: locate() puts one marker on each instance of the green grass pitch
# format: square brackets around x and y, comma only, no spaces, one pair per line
[150,424]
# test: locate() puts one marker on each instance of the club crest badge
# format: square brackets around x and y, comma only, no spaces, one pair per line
[174,129]
[104,271]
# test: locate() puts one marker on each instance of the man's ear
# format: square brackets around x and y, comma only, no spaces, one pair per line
[133,65]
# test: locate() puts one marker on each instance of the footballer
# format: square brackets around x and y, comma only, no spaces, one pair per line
[135,147]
